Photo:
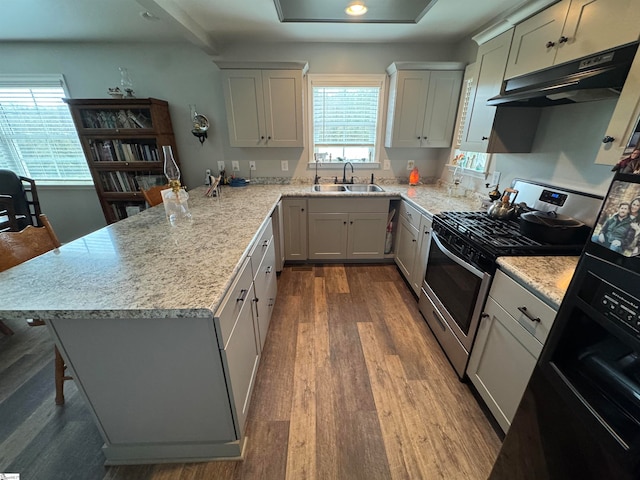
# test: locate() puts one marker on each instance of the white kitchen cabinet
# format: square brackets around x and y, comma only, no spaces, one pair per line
[513,329]
[294,222]
[264,107]
[422,107]
[489,129]
[624,121]
[569,30]
[348,229]
[422,254]
[408,242]
[263,266]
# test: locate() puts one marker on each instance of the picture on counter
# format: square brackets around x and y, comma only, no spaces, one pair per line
[618,226]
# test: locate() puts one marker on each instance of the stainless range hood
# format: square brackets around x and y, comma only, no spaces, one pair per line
[587,79]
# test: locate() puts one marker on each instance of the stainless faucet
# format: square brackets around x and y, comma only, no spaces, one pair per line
[316,180]
[344,173]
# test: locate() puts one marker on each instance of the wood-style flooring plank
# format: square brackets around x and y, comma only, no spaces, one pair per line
[301,458]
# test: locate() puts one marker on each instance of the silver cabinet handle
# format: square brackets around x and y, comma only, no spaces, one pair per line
[243,295]
[526,313]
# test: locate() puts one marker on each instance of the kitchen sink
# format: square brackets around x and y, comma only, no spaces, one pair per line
[362,188]
[347,188]
[329,188]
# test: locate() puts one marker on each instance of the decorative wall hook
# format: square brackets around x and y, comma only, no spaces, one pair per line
[200,124]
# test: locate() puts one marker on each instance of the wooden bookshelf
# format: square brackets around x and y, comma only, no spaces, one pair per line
[122,140]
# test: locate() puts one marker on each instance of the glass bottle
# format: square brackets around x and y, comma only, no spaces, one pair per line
[176,201]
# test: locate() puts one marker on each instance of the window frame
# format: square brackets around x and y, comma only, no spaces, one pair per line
[48,80]
[341,80]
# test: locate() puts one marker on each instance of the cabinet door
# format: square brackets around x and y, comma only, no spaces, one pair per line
[294,212]
[422,253]
[366,235]
[501,362]
[240,359]
[265,290]
[491,62]
[328,235]
[408,108]
[624,119]
[440,113]
[530,48]
[407,238]
[244,100]
[283,108]
[595,25]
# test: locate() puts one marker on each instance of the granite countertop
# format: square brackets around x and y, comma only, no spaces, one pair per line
[143,267]
[546,277]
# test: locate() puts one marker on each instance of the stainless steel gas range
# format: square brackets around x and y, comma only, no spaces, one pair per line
[463,255]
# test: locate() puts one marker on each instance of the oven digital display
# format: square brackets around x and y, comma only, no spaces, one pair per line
[554,198]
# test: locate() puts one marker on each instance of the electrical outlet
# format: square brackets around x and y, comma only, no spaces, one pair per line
[496,178]
[284,165]
[252,165]
[235,166]
[220,165]
[410,164]
[387,165]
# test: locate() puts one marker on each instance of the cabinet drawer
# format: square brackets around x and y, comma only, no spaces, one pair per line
[236,297]
[260,246]
[517,300]
[411,213]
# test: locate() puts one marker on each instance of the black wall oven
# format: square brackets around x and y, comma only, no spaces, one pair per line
[580,414]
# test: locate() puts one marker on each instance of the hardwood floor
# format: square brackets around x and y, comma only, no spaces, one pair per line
[351,385]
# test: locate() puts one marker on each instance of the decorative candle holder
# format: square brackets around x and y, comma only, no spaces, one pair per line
[175,199]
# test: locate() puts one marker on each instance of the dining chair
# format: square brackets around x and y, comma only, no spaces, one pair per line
[22,193]
[153,195]
[18,247]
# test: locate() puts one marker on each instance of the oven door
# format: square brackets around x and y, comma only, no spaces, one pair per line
[457,289]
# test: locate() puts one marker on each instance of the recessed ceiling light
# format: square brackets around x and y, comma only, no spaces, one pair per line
[356,9]
[148,16]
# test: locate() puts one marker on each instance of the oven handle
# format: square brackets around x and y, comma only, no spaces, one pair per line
[455,258]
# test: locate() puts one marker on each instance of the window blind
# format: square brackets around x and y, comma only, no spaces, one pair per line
[37,135]
[345,115]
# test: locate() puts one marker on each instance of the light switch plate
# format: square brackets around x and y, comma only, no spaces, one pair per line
[235,165]
[410,164]
[220,165]
[387,165]
[252,165]
[284,164]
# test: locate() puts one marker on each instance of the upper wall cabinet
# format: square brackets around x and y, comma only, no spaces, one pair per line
[264,106]
[486,128]
[569,30]
[623,132]
[422,104]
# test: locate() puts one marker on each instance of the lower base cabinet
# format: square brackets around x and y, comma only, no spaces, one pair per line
[507,346]
[413,238]
[347,228]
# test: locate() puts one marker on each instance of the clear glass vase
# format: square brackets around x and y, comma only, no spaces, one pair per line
[176,201]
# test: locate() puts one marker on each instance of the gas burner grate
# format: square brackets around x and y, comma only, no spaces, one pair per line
[497,237]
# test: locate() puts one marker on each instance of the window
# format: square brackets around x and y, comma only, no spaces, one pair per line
[345,117]
[37,136]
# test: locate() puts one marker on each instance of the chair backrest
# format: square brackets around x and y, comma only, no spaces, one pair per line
[8,217]
[26,204]
[153,195]
[18,247]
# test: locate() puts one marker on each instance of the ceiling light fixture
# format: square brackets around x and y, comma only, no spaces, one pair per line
[356,9]
[148,16]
